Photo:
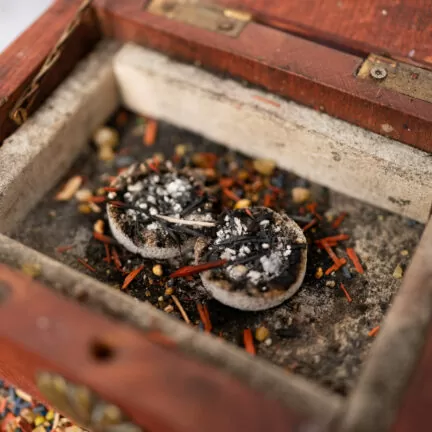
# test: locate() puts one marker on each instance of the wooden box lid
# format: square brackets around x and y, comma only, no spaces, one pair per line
[365,63]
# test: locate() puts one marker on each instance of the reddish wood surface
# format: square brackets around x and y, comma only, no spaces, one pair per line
[304,71]
[397,27]
[415,410]
[159,387]
[23,58]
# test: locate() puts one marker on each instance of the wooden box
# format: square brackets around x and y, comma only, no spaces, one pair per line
[338,93]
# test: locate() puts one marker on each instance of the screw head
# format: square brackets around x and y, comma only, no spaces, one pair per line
[378,72]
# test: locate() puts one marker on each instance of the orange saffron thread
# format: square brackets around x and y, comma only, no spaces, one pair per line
[204,317]
[339,220]
[86,265]
[374,331]
[191,270]
[310,224]
[230,194]
[103,238]
[116,259]
[150,133]
[248,341]
[107,253]
[336,238]
[354,258]
[131,276]
[62,249]
[345,292]
[335,267]
[329,250]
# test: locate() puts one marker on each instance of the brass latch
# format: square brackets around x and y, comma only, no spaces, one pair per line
[207,16]
[401,77]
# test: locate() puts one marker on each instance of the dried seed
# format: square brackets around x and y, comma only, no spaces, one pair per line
[264,166]
[243,203]
[106,137]
[31,269]
[300,195]
[69,189]
[99,226]
[157,270]
[398,272]
[319,273]
[83,195]
[261,334]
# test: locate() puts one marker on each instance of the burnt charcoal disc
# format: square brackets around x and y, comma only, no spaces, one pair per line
[265,253]
[158,211]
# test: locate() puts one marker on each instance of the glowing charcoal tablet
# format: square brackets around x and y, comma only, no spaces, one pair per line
[266,255]
[158,211]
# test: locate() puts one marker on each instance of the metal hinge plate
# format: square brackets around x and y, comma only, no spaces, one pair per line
[401,77]
[203,15]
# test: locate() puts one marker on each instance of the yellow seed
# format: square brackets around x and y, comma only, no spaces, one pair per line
[300,194]
[49,415]
[99,226]
[243,203]
[84,209]
[100,191]
[106,154]
[182,149]
[31,269]
[398,272]
[261,334]
[242,174]
[264,166]
[106,137]
[39,420]
[157,270]
[319,273]
[169,291]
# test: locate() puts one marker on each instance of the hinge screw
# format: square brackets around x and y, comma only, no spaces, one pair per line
[378,72]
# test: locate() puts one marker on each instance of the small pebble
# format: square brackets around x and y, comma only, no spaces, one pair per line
[169,309]
[106,137]
[300,195]
[83,195]
[261,334]
[99,226]
[398,272]
[147,293]
[331,284]
[31,269]
[84,208]
[404,253]
[319,273]
[157,270]
[264,166]
[169,291]
[268,342]
[243,203]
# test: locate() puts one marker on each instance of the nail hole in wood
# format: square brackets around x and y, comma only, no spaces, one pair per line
[102,351]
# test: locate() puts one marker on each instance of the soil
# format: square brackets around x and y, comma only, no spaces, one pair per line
[317,333]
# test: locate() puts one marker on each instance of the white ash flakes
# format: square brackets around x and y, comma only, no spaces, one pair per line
[272,264]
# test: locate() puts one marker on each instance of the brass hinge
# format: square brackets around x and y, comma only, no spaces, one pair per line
[398,76]
[207,16]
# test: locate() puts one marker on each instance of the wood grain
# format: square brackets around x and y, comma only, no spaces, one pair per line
[309,73]
[399,28]
[158,387]
[23,58]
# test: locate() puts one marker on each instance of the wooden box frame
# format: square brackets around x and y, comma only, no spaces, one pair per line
[219,387]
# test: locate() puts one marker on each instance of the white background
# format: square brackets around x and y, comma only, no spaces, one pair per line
[16,16]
